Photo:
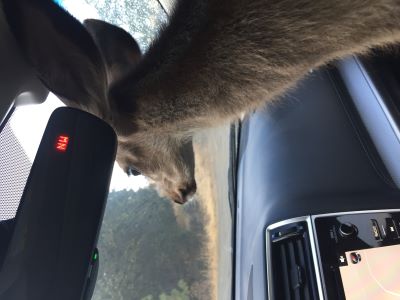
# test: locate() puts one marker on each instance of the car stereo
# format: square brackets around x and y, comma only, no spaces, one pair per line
[359,255]
[353,255]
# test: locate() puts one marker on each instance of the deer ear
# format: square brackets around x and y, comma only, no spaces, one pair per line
[119,49]
[60,49]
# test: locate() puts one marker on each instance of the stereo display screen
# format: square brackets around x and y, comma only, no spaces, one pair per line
[360,255]
[371,273]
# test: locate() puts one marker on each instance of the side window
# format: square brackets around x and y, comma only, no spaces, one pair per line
[149,248]
[14,169]
[19,141]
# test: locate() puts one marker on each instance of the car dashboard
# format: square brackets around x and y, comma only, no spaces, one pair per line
[317,187]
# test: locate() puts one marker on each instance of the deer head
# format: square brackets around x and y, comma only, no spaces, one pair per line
[79,63]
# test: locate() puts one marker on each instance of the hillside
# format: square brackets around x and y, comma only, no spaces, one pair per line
[146,254]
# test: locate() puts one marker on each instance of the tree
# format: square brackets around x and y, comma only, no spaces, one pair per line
[144,253]
[182,293]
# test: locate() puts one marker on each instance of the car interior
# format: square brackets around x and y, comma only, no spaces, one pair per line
[317,184]
[314,196]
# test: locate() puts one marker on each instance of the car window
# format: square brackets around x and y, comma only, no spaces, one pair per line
[150,248]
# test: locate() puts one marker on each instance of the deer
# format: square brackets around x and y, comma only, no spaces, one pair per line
[213,61]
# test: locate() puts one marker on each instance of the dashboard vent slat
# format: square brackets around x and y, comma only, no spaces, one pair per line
[285,266]
[293,274]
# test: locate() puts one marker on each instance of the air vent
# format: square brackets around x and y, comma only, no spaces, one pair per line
[292,270]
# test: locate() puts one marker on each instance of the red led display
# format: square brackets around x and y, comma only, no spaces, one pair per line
[62,143]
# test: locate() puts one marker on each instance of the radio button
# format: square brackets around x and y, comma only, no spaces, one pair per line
[347,230]
[391,229]
[375,230]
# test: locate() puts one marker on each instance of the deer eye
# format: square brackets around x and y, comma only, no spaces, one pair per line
[132,171]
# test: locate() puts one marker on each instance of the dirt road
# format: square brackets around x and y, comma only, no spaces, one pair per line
[211,149]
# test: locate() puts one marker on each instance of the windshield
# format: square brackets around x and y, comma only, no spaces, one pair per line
[150,248]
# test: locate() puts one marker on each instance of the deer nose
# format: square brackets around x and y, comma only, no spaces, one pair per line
[186,193]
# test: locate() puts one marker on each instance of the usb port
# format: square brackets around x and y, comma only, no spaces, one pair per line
[375,229]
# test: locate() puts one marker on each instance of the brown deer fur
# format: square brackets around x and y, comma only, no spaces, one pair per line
[215,60]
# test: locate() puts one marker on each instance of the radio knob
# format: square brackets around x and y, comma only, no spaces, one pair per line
[347,230]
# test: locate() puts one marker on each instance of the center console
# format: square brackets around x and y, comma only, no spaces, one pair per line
[352,255]
[329,152]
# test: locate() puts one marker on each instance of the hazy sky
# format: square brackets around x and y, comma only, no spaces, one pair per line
[80,9]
